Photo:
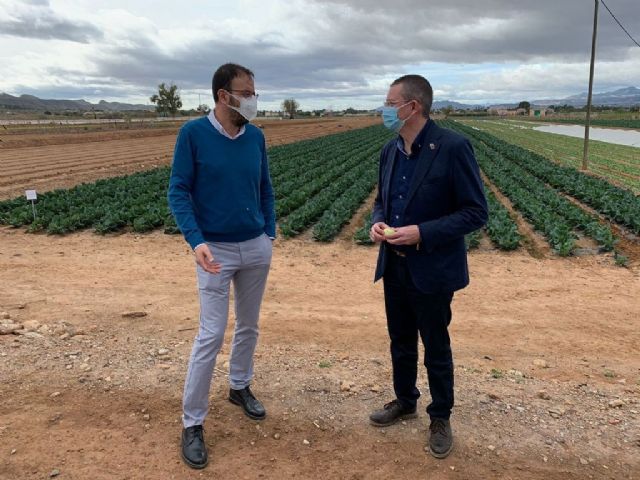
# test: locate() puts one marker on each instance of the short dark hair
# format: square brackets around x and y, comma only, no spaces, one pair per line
[416,87]
[224,75]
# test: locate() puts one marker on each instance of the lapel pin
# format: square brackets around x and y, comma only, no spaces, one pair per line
[432,146]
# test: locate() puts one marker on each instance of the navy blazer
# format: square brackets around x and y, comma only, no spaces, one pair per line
[446,200]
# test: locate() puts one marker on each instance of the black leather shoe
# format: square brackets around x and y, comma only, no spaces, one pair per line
[440,438]
[194,451]
[249,403]
[391,413]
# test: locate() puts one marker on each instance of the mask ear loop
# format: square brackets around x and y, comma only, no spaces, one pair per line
[228,105]
[404,120]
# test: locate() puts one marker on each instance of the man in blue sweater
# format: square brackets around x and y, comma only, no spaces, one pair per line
[221,196]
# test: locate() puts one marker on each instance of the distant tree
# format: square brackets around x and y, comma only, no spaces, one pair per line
[355,111]
[203,108]
[167,100]
[566,108]
[446,111]
[524,104]
[290,107]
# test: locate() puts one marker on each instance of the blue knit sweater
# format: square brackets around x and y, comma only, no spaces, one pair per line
[220,189]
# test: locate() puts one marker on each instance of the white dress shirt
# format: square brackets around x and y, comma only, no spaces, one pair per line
[218,126]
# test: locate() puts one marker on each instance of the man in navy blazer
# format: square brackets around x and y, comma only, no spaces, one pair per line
[430,195]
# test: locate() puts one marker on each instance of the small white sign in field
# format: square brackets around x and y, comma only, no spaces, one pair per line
[32,196]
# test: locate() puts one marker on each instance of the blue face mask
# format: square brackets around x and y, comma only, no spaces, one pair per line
[390,118]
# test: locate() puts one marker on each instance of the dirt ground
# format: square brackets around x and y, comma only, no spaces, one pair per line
[546,351]
[46,158]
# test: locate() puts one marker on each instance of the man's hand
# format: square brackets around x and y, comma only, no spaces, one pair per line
[409,235]
[204,258]
[376,234]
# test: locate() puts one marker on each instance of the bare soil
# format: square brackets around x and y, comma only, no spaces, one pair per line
[546,351]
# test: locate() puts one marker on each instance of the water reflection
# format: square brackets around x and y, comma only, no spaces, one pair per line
[609,135]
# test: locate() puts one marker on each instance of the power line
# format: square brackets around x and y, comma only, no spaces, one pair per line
[618,22]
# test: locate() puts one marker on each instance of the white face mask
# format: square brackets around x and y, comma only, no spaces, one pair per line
[248,106]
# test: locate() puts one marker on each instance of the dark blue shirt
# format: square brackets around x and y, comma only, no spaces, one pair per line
[404,167]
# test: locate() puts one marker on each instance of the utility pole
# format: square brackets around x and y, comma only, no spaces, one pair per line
[585,155]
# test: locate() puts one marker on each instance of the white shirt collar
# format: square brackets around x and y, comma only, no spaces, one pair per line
[218,126]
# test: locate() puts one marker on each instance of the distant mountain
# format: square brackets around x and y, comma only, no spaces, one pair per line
[118,106]
[31,103]
[456,105]
[623,97]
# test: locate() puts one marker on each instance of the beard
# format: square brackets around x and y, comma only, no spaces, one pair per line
[237,119]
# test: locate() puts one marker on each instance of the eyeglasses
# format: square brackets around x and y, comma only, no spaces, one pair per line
[396,103]
[245,93]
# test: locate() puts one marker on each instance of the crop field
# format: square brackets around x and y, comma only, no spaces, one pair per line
[572,210]
[321,182]
[537,183]
[617,163]
[501,228]
[45,157]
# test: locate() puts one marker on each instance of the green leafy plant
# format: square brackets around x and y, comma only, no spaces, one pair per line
[555,216]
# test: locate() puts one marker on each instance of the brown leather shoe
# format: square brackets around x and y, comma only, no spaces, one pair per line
[440,438]
[391,413]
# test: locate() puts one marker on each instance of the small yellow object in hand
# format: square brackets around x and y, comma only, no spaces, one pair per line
[389,231]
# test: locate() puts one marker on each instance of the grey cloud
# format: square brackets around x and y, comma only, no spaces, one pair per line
[368,46]
[356,42]
[45,3]
[38,20]
[459,31]
[324,67]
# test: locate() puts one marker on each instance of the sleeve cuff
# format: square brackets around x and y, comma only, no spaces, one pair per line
[195,240]
[270,230]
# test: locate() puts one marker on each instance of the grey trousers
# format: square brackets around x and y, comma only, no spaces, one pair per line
[246,264]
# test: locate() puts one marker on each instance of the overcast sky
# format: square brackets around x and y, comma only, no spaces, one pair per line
[323,53]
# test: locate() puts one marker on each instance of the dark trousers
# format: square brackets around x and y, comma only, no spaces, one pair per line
[410,312]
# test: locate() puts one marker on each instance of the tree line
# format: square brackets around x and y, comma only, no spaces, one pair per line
[168,102]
